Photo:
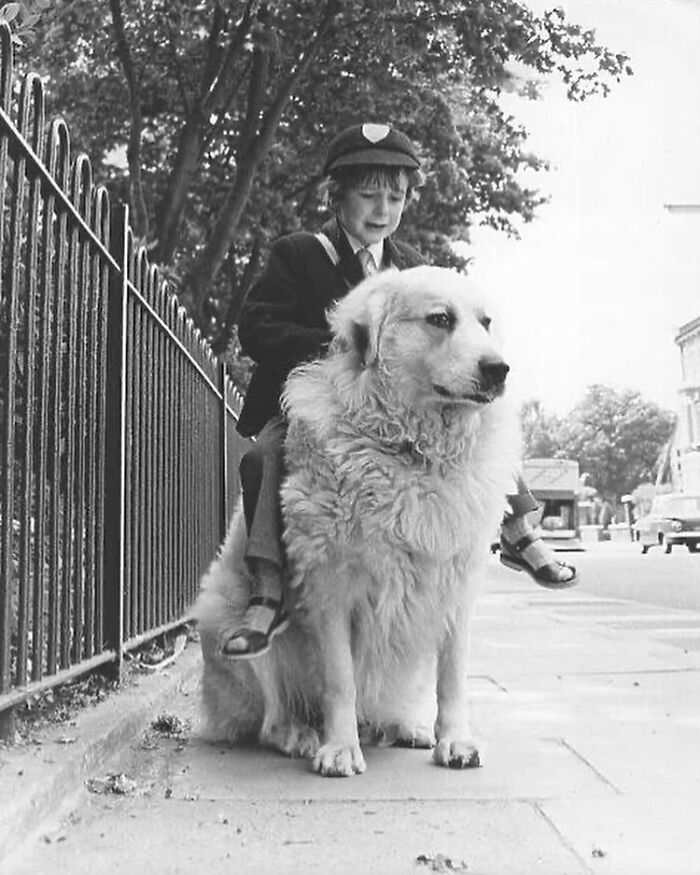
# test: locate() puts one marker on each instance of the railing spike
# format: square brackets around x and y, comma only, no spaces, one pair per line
[31,112]
[81,185]
[101,214]
[6,66]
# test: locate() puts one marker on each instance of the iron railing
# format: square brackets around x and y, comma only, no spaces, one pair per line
[118,450]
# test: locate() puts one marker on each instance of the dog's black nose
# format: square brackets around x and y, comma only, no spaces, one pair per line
[493,371]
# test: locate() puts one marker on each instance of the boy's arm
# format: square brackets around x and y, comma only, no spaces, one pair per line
[269,326]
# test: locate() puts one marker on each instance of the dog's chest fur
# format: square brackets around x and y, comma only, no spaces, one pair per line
[389,538]
[346,494]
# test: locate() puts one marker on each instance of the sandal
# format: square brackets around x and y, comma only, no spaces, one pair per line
[256,641]
[515,556]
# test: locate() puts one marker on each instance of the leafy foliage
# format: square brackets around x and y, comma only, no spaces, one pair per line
[616,436]
[22,18]
[212,118]
[541,432]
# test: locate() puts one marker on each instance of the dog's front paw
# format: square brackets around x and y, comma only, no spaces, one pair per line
[457,754]
[339,761]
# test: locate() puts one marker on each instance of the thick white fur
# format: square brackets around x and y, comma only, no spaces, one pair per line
[393,493]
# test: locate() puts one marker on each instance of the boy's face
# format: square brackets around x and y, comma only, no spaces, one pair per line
[372,210]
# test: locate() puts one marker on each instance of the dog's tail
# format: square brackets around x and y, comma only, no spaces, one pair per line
[231,695]
[232,702]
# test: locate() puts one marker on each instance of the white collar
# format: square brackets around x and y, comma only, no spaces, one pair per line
[376,250]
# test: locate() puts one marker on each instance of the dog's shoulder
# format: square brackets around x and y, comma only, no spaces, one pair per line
[309,406]
[308,396]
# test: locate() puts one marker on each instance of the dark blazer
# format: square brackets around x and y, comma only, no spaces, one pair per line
[283,318]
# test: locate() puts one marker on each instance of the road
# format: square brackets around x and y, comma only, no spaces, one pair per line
[620,571]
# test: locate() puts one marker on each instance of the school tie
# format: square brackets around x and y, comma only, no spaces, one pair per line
[369,266]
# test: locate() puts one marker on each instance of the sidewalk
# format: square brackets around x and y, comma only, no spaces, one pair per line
[589,714]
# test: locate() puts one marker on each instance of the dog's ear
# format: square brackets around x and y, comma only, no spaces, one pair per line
[357,321]
[360,339]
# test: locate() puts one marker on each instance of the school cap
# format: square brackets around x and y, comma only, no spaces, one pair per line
[371,144]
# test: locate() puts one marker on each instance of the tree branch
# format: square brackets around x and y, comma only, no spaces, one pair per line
[198,280]
[257,85]
[133,152]
[177,69]
[192,138]
[274,114]
[213,51]
[233,308]
[218,80]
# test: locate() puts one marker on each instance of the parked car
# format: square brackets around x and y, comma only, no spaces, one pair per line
[674,518]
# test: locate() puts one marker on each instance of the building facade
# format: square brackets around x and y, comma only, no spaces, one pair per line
[686,462]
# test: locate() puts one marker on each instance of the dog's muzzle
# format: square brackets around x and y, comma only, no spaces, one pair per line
[493,372]
[489,385]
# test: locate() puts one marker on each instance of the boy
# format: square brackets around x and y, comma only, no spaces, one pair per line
[371,173]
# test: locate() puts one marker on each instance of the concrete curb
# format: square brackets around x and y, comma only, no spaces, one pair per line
[42,781]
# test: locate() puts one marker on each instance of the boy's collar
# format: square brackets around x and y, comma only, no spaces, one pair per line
[375,249]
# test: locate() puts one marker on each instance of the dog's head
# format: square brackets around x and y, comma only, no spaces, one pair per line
[428,331]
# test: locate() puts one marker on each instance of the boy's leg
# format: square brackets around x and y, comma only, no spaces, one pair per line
[261,471]
[524,550]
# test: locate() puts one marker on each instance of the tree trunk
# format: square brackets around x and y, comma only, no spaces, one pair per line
[199,279]
[172,206]
[137,201]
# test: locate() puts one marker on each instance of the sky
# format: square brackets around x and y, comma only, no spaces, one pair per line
[599,283]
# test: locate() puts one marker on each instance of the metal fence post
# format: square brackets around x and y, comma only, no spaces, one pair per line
[224,460]
[115,444]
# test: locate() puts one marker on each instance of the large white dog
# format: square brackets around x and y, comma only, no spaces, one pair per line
[400,453]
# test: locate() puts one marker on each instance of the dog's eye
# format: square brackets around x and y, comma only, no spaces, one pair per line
[441,319]
[486,322]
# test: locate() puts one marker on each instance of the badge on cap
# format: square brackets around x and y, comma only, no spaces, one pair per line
[375,133]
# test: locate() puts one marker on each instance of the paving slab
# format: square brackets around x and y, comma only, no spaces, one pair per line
[655,834]
[527,769]
[549,705]
[539,635]
[650,761]
[570,650]
[343,838]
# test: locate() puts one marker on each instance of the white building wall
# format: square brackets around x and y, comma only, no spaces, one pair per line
[690,472]
[687,442]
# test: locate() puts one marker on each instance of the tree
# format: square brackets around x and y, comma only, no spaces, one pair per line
[541,432]
[223,111]
[617,438]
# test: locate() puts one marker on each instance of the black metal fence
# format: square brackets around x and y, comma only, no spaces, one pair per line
[118,448]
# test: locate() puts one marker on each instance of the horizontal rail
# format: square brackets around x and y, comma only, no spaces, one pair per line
[145,637]
[64,676]
[163,325]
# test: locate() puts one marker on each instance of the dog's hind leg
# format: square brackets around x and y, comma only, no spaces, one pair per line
[231,700]
[455,745]
[293,739]
[285,724]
